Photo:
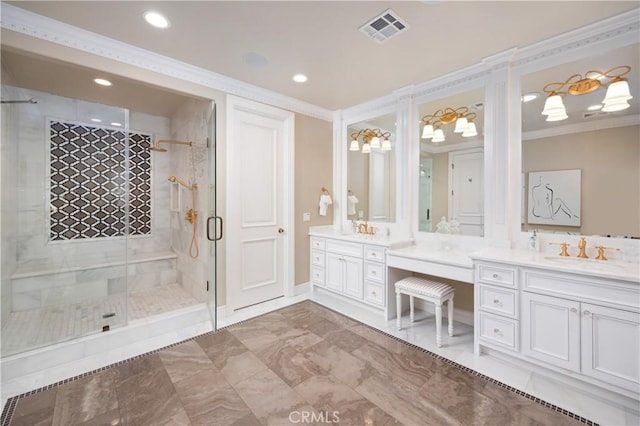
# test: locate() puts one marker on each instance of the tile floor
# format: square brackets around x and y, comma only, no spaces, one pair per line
[26,330]
[300,362]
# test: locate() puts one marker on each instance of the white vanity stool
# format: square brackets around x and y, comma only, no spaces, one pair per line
[431,291]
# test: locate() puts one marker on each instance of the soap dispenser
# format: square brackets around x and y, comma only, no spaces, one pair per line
[534,241]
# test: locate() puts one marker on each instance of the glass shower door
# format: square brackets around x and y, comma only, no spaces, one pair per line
[65,218]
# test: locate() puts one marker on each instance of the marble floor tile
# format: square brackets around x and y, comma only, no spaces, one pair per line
[209,399]
[303,364]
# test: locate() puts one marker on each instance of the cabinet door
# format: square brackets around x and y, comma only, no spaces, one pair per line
[551,330]
[611,345]
[353,284]
[334,275]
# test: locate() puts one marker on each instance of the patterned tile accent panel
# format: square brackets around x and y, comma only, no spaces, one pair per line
[88,197]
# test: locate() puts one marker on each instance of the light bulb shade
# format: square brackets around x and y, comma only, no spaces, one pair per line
[354,146]
[557,116]
[427,132]
[554,106]
[438,135]
[366,148]
[615,106]
[386,145]
[617,96]
[461,125]
[470,131]
[375,142]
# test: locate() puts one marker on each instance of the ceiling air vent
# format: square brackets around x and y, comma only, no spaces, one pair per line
[383,27]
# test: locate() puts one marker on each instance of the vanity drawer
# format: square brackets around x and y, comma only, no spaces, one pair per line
[374,293]
[317,276]
[498,300]
[317,243]
[343,247]
[374,253]
[497,275]
[317,258]
[499,330]
[374,271]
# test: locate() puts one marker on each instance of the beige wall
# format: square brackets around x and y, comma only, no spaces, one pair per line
[610,164]
[313,170]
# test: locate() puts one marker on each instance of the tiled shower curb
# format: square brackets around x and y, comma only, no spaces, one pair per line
[10,406]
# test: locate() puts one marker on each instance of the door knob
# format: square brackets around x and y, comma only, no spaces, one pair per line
[280,231]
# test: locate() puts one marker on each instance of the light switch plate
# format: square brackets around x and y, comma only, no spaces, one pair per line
[306,217]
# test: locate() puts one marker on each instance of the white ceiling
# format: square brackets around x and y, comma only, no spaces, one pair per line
[321,38]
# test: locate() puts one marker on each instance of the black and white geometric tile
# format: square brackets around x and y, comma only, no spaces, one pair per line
[92,189]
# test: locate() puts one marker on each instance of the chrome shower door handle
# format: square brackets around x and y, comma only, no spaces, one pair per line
[215,237]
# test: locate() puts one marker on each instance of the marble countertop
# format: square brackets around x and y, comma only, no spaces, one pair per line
[457,258]
[378,239]
[611,269]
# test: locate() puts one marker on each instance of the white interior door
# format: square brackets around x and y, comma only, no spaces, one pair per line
[466,196]
[259,203]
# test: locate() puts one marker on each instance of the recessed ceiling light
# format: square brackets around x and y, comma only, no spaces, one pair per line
[102,82]
[300,78]
[116,124]
[528,97]
[595,107]
[156,19]
[96,120]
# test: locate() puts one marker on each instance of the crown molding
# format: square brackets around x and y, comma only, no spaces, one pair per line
[588,126]
[620,30]
[22,21]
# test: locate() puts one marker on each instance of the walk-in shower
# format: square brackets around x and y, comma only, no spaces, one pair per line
[90,241]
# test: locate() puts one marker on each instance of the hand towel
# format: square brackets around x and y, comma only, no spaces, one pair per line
[325,201]
[352,200]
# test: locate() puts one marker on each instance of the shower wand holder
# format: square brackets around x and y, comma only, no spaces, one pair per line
[191,216]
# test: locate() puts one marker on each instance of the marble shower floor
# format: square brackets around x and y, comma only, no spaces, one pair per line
[26,330]
[303,361]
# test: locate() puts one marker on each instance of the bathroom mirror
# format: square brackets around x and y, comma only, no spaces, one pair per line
[451,171]
[580,174]
[371,169]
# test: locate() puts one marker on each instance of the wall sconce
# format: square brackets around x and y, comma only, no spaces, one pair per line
[461,116]
[615,99]
[370,139]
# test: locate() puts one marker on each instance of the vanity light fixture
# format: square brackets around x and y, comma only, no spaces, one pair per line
[616,98]
[461,116]
[371,138]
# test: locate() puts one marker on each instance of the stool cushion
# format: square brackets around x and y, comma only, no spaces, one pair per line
[424,287]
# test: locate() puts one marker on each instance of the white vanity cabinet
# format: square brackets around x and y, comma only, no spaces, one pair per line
[584,325]
[350,269]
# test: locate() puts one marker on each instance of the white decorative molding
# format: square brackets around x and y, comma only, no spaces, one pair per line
[623,29]
[38,26]
[589,126]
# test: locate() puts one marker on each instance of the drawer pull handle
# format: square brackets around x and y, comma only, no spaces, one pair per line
[373,293]
[373,255]
[496,276]
[587,313]
[496,301]
[497,331]
[373,272]
[573,310]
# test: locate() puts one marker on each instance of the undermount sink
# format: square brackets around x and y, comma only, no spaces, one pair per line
[601,265]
